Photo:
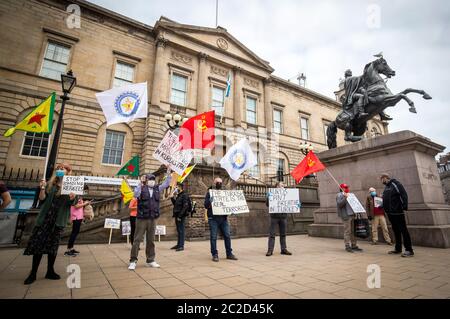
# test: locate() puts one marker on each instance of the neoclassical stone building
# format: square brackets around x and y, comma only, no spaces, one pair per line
[185,66]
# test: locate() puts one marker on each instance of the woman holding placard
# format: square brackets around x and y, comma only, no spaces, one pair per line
[52,219]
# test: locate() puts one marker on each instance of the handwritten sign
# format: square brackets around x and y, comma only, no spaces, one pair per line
[72,184]
[108,181]
[112,223]
[126,228]
[284,200]
[355,204]
[160,230]
[378,201]
[227,202]
[168,152]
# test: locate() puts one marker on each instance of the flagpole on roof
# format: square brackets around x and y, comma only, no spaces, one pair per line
[217,13]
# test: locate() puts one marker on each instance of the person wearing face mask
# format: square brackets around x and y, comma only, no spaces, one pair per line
[216,223]
[180,201]
[50,222]
[148,194]
[277,220]
[345,212]
[375,213]
[395,202]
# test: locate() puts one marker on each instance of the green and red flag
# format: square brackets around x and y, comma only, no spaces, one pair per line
[131,168]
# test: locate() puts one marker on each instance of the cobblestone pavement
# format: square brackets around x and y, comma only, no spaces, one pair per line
[318,268]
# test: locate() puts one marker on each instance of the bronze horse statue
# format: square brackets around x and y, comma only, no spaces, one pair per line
[373,96]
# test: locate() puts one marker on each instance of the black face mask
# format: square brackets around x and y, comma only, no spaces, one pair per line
[218,185]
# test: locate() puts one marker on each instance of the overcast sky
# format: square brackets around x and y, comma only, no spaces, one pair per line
[324,38]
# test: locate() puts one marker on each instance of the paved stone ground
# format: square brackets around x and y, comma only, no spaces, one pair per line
[319,268]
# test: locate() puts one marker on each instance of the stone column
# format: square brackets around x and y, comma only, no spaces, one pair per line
[158,87]
[202,86]
[268,112]
[237,99]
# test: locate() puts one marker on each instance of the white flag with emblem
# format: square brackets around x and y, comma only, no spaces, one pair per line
[125,103]
[238,159]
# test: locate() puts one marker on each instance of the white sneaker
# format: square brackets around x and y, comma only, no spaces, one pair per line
[132,266]
[153,264]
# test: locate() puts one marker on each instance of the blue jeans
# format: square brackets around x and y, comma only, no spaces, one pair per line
[180,231]
[217,223]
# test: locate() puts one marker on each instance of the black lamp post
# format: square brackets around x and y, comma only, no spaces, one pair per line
[68,82]
[174,121]
[305,148]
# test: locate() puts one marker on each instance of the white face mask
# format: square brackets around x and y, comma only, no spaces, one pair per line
[151,183]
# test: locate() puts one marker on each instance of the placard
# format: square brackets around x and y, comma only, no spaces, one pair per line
[160,230]
[355,204]
[378,201]
[126,228]
[72,184]
[284,200]
[112,223]
[227,202]
[8,222]
[168,152]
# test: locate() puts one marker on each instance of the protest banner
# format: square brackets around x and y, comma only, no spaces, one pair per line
[284,200]
[227,202]
[111,223]
[109,181]
[355,204]
[72,184]
[126,230]
[168,152]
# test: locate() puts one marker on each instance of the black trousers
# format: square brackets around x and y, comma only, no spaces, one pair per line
[133,228]
[76,225]
[401,233]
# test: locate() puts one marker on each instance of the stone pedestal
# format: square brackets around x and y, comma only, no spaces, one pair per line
[407,157]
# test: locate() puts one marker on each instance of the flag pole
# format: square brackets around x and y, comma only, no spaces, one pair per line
[217,13]
[47,155]
[334,179]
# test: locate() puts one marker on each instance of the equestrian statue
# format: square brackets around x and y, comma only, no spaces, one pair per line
[365,97]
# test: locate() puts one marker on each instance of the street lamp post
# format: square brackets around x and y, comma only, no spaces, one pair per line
[305,148]
[174,121]
[68,82]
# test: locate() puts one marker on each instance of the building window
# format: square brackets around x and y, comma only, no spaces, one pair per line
[278,121]
[218,98]
[55,62]
[325,128]
[179,90]
[280,169]
[113,150]
[35,144]
[251,110]
[304,125]
[124,74]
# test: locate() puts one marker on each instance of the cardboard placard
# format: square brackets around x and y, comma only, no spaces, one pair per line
[355,204]
[227,202]
[109,181]
[126,228]
[112,223]
[160,230]
[284,200]
[168,152]
[72,184]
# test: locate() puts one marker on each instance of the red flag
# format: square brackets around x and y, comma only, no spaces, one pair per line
[310,164]
[198,132]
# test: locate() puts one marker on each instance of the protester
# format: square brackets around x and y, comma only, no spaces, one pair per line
[148,194]
[180,212]
[52,219]
[77,217]
[133,213]
[376,215]
[395,202]
[5,196]
[218,222]
[277,220]
[345,212]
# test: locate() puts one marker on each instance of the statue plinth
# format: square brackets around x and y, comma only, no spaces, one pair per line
[406,156]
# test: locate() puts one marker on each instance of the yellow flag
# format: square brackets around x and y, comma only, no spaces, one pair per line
[127,192]
[40,120]
[186,172]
